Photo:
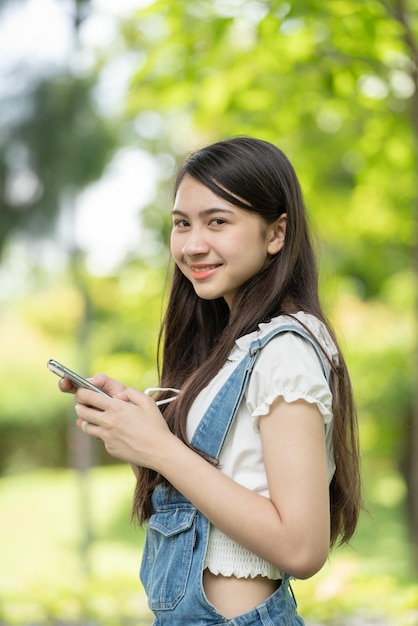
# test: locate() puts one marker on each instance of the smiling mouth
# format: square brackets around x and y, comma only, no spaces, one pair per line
[203,271]
[205,268]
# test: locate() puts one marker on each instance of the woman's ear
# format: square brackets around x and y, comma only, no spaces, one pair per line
[277,235]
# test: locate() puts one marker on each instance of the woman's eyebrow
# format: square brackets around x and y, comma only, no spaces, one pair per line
[204,213]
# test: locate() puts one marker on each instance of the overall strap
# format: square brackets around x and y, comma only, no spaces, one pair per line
[257,344]
[213,428]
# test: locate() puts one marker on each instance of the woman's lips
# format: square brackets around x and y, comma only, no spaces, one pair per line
[200,272]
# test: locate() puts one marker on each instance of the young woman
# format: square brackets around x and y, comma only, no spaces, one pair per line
[247,460]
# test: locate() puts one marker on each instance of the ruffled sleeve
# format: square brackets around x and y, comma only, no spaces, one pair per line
[288,367]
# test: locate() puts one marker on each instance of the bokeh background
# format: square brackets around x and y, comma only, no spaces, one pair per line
[99,102]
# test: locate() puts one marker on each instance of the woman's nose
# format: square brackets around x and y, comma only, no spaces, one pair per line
[196,243]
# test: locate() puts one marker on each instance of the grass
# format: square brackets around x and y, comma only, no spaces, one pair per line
[48,572]
[51,575]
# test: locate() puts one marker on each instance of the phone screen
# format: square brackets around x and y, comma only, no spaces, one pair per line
[76,379]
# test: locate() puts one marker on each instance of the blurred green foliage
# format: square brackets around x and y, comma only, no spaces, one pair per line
[44,324]
[44,581]
[56,145]
[335,86]
[331,84]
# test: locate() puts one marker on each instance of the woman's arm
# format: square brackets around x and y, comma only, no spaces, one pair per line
[290,529]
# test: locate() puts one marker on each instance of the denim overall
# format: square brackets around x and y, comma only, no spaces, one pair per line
[177,533]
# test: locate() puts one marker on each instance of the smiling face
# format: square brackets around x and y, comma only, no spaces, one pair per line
[217,245]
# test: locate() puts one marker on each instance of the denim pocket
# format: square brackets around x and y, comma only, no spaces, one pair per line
[168,555]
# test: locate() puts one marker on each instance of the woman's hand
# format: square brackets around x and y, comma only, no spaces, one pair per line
[109,385]
[130,424]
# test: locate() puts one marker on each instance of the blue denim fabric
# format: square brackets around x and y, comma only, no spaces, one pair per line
[177,533]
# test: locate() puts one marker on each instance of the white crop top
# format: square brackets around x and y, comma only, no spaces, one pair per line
[287,366]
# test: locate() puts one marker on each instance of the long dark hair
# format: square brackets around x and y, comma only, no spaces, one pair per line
[197,335]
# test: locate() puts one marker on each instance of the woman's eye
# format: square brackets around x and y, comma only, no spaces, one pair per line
[181,223]
[218,221]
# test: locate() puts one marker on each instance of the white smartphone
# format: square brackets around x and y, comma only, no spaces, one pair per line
[76,379]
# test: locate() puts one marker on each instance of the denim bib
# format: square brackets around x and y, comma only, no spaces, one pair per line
[177,533]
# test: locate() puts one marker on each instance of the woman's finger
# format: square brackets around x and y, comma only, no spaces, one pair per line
[82,424]
[66,386]
[88,428]
[137,397]
[92,399]
[110,385]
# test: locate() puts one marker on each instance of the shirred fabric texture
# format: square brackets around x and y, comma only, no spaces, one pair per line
[287,367]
